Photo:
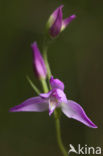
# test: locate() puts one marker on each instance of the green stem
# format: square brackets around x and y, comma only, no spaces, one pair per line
[44,85]
[46,62]
[58,132]
[33,86]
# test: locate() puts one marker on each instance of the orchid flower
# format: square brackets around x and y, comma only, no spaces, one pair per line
[56,23]
[38,62]
[55,98]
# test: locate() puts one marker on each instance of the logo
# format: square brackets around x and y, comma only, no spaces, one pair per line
[85,150]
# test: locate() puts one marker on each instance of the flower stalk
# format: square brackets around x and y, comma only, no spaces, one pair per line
[57,123]
[58,132]
[56,116]
[44,85]
[46,62]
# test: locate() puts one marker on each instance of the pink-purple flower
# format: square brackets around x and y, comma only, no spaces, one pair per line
[38,62]
[55,98]
[56,23]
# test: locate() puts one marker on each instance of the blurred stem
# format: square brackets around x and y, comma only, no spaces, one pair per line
[44,85]
[32,85]
[58,132]
[46,61]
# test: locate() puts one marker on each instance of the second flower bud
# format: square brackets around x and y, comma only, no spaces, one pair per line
[38,62]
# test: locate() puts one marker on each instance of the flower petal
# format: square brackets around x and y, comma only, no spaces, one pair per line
[56,83]
[53,16]
[55,13]
[56,25]
[34,104]
[75,111]
[67,21]
[46,95]
[59,95]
